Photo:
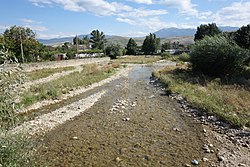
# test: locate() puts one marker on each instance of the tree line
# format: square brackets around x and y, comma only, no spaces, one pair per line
[22,44]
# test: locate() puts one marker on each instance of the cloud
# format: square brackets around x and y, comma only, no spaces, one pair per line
[185,7]
[57,35]
[142,1]
[97,7]
[37,28]
[29,21]
[237,14]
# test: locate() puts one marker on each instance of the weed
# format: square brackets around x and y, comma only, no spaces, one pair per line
[229,102]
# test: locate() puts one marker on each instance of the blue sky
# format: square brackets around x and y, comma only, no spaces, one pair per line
[60,18]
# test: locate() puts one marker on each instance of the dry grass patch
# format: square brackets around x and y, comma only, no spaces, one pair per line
[229,102]
[90,74]
[137,59]
[43,73]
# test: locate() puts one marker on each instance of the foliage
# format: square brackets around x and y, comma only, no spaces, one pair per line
[151,44]
[13,152]
[206,30]
[166,46]
[11,78]
[97,39]
[242,37]
[15,36]
[216,56]
[228,102]
[131,47]
[113,51]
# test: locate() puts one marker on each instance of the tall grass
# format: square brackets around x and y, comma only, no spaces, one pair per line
[229,102]
[14,152]
[43,73]
[91,73]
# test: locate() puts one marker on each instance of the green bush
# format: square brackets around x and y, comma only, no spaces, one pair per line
[184,57]
[217,56]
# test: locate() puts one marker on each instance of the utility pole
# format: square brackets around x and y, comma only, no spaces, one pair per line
[21,47]
[77,46]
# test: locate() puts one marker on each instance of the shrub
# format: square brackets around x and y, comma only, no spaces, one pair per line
[217,56]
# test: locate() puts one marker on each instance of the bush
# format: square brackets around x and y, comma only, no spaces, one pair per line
[184,57]
[217,56]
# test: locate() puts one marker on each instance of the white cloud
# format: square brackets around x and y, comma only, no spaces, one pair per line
[37,28]
[142,1]
[185,7]
[237,14]
[98,7]
[138,13]
[57,35]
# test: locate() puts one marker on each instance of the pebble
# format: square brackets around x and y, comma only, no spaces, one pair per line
[126,119]
[220,158]
[75,138]
[187,165]
[244,165]
[118,159]
[195,162]
[204,159]
[204,130]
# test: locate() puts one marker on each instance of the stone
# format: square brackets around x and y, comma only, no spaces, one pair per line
[187,165]
[244,165]
[204,130]
[221,158]
[118,159]
[204,159]
[75,138]
[195,162]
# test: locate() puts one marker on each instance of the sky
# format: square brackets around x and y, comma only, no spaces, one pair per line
[131,18]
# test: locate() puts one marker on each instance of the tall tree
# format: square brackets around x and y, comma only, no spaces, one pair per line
[76,40]
[242,37]
[85,40]
[206,29]
[151,44]
[131,47]
[21,42]
[166,46]
[97,39]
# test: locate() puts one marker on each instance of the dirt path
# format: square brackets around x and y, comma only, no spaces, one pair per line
[131,122]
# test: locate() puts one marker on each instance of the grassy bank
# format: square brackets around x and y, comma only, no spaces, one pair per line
[137,59]
[43,73]
[91,73]
[228,102]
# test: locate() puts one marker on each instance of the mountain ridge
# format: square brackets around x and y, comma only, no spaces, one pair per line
[162,33]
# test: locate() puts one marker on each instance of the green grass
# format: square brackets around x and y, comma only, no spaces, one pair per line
[43,73]
[14,152]
[229,102]
[137,59]
[90,74]
[184,57]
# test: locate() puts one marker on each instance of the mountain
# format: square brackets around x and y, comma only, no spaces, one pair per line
[178,32]
[168,33]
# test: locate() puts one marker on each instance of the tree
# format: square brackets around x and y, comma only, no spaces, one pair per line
[131,47]
[204,29]
[114,50]
[242,37]
[217,56]
[21,42]
[85,40]
[97,39]
[76,40]
[151,44]
[166,46]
